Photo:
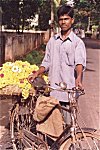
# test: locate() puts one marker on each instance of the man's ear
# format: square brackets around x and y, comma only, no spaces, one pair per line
[72,20]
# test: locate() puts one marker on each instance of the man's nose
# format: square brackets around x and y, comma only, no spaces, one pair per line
[63,20]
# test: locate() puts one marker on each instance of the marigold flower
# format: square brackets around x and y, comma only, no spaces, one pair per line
[16,73]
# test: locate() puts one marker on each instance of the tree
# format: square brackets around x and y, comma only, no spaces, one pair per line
[47,11]
[44,14]
[87,12]
[16,13]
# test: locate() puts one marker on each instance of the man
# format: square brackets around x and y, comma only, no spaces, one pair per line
[65,57]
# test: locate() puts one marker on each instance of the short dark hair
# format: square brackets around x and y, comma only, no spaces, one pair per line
[65,9]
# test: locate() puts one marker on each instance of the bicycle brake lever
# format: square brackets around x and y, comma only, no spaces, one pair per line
[83,91]
[57,84]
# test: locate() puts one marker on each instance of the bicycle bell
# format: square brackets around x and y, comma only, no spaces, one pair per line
[63,85]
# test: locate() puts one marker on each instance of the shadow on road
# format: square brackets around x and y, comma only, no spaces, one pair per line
[92,43]
[89,70]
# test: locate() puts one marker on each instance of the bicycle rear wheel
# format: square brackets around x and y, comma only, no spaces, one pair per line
[20,119]
[88,141]
[22,125]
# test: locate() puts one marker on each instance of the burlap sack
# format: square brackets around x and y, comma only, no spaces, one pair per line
[51,124]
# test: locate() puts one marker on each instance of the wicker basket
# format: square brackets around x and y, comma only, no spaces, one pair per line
[13,90]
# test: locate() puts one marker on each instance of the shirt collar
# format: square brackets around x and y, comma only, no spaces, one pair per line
[70,36]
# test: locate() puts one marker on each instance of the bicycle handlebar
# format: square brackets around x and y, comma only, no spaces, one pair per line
[39,84]
[73,90]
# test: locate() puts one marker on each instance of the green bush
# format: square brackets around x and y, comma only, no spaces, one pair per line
[35,57]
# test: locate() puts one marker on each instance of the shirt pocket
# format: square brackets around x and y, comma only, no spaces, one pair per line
[68,57]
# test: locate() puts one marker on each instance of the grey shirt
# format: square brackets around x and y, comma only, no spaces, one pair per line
[60,60]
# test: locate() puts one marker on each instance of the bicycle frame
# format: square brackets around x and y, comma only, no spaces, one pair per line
[72,128]
[73,95]
[73,113]
[72,131]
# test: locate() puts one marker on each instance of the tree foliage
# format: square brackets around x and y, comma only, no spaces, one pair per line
[85,9]
[16,12]
[44,14]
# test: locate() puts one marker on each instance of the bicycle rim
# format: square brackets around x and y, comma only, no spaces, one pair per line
[90,141]
[22,137]
[17,123]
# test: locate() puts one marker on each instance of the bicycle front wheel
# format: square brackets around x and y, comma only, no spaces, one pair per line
[84,141]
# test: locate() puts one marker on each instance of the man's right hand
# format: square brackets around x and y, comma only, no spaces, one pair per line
[32,76]
[35,74]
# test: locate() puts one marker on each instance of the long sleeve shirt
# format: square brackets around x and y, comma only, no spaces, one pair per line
[60,60]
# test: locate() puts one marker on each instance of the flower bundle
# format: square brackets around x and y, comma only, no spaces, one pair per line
[15,74]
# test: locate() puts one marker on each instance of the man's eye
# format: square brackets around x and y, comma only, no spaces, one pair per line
[63,19]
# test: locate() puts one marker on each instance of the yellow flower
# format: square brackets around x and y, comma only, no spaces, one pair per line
[45,78]
[16,73]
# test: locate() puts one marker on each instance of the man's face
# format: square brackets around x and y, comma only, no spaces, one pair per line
[65,22]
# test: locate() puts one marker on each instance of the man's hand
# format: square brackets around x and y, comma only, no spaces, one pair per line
[35,74]
[32,76]
[78,83]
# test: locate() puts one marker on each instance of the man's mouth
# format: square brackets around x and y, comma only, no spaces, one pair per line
[63,26]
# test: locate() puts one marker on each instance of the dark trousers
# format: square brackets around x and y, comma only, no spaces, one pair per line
[66,114]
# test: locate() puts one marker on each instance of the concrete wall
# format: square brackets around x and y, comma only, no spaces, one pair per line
[20,44]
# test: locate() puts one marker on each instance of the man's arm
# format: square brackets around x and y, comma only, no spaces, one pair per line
[41,70]
[80,62]
[79,72]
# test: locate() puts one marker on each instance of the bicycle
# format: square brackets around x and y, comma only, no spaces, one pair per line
[23,127]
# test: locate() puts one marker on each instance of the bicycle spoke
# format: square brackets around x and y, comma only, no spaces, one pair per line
[26,143]
[72,147]
[31,143]
[81,143]
[35,140]
[97,144]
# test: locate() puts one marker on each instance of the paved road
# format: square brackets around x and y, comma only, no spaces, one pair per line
[5,141]
[89,103]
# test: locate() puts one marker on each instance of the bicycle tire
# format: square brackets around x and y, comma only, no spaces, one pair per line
[18,121]
[21,125]
[90,141]
[28,141]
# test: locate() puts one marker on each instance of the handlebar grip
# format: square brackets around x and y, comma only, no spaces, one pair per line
[79,90]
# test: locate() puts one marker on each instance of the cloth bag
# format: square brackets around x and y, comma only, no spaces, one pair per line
[48,116]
